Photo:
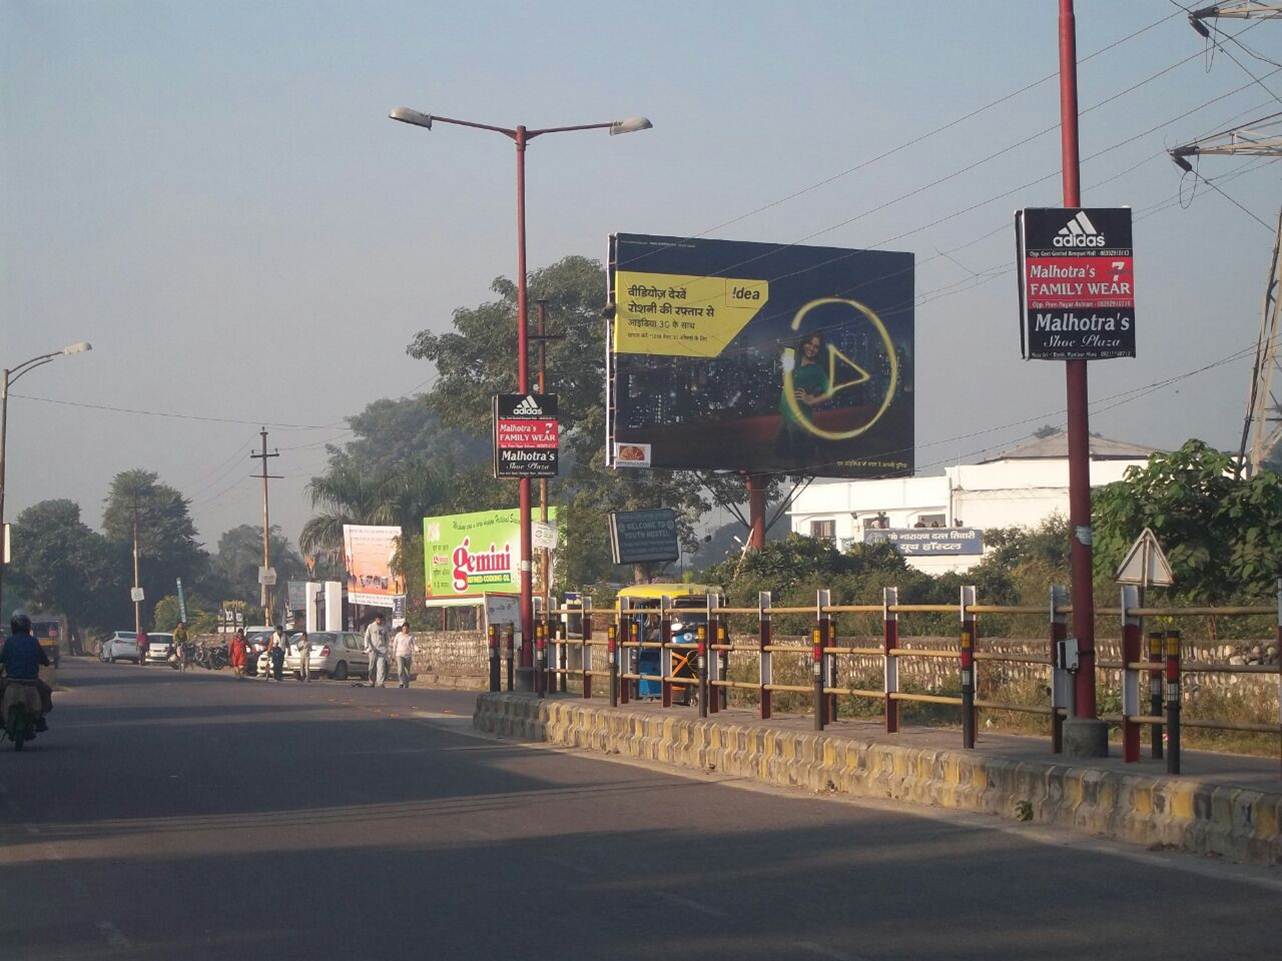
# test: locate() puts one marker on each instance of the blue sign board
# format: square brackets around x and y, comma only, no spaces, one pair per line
[930,541]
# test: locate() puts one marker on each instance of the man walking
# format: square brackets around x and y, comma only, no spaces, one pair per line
[403,648]
[376,648]
[276,654]
[304,649]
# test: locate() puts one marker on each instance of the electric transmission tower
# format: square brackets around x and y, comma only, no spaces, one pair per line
[1262,427]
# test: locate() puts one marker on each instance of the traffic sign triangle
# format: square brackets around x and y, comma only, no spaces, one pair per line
[1146,564]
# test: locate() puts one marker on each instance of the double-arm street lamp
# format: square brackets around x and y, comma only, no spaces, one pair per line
[11,374]
[521,135]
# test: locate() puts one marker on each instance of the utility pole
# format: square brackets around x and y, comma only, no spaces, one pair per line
[137,603]
[267,527]
[1085,735]
[541,337]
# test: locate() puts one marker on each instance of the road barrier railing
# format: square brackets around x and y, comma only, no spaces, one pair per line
[699,671]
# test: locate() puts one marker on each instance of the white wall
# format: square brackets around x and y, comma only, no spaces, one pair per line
[1008,493]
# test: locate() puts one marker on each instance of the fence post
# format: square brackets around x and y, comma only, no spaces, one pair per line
[630,659]
[714,656]
[817,668]
[612,655]
[890,641]
[559,678]
[1061,680]
[765,675]
[585,661]
[539,651]
[723,658]
[1155,652]
[822,599]
[1172,702]
[493,636]
[701,638]
[665,652]
[968,667]
[1132,632]
[509,646]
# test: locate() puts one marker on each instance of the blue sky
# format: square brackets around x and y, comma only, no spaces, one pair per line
[212,194]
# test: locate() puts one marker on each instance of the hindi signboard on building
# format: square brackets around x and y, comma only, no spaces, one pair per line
[466,556]
[525,435]
[638,537]
[930,541]
[368,551]
[1076,283]
[725,355]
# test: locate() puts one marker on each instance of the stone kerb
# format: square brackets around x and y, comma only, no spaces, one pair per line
[1180,813]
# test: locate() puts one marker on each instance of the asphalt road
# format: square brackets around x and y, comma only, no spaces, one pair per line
[199,817]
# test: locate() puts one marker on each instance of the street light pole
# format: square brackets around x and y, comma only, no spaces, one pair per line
[9,377]
[521,135]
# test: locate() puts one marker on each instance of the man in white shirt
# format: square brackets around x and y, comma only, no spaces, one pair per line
[376,648]
[403,648]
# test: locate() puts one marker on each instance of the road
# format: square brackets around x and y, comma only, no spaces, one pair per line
[198,817]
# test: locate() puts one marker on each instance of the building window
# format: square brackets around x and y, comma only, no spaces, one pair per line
[877,522]
[824,530]
[930,520]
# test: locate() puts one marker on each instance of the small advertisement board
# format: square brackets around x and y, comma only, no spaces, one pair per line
[467,556]
[1076,283]
[930,541]
[638,537]
[368,551]
[525,435]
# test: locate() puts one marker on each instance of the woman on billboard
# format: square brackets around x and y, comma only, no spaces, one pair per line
[796,443]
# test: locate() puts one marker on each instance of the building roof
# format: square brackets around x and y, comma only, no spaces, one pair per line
[1055,446]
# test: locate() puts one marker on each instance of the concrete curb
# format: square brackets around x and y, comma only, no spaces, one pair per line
[1180,813]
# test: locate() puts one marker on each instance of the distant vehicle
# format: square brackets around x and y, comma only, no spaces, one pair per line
[688,612]
[53,631]
[121,646]
[158,646]
[256,641]
[335,654]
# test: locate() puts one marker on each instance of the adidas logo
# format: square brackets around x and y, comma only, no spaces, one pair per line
[528,408]
[1078,232]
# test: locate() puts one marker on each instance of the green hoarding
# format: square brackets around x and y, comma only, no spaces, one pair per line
[467,555]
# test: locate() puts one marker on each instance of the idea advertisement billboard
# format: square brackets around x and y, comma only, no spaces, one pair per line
[727,355]
[470,555]
[367,558]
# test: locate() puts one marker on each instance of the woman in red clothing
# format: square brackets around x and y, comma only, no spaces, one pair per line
[238,653]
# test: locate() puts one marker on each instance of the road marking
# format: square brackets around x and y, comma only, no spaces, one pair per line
[31,829]
[115,938]
[692,904]
[826,952]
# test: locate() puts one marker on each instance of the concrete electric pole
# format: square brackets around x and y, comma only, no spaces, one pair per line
[267,529]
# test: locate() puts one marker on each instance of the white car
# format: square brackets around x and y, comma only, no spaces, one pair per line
[158,646]
[121,646]
[335,654]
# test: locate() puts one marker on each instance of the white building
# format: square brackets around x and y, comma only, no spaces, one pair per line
[1018,488]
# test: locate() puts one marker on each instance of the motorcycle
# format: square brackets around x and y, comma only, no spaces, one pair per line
[20,710]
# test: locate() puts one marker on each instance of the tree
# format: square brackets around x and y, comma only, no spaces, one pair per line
[1223,536]
[474,361]
[166,534]
[61,565]
[240,554]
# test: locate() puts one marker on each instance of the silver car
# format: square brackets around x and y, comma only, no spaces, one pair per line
[336,654]
[121,646]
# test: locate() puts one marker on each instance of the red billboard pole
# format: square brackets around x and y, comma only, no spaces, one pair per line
[1084,734]
[756,511]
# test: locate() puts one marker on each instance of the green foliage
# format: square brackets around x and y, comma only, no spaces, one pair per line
[240,554]
[1223,536]
[167,613]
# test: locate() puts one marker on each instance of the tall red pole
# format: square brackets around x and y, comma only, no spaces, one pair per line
[1079,464]
[523,385]
[756,511]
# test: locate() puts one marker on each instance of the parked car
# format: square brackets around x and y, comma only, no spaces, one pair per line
[256,641]
[158,646]
[336,654]
[121,646]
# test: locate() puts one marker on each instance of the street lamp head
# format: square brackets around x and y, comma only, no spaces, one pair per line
[406,115]
[77,348]
[630,125]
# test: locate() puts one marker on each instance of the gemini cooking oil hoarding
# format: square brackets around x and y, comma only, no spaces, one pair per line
[727,355]
[466,556]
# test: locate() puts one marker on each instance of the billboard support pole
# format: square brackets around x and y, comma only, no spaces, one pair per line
[1084,734]
[756,484]
[526,671]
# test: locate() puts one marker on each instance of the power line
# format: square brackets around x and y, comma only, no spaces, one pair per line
[160,413]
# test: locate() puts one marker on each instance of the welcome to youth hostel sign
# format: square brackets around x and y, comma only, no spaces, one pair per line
[525,435]
[1076,283]
[930,541]
[638,537]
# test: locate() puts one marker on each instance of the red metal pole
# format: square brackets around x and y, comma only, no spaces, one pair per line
[1079,465]
[523,385]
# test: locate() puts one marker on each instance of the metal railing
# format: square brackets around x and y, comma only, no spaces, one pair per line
[694,667]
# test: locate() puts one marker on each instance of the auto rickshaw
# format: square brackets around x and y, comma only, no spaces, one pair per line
[644,605]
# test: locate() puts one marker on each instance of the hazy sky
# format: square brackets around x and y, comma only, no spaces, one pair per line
[211,193]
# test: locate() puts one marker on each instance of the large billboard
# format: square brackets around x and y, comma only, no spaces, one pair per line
[367,558]
[726,355]
[466,556]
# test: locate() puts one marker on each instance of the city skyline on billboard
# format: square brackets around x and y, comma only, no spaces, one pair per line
[730,355]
